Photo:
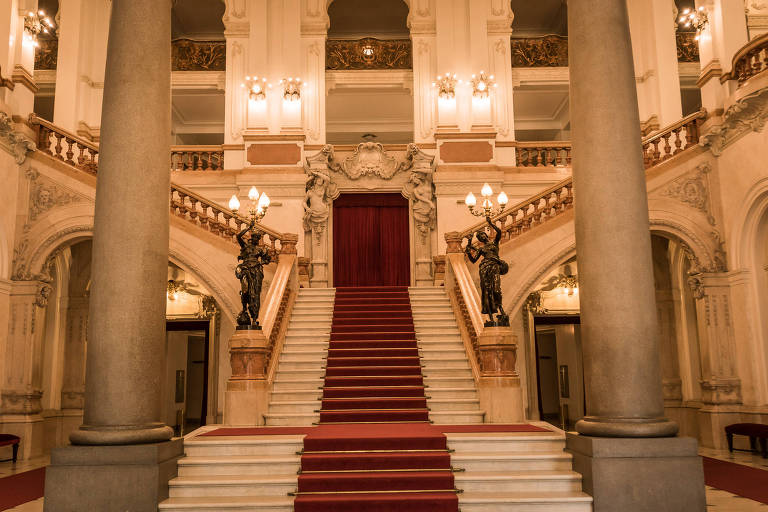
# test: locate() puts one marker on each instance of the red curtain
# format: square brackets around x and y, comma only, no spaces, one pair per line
[370,240]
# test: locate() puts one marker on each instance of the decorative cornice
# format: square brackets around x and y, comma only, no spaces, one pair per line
[748,114]
[711,70]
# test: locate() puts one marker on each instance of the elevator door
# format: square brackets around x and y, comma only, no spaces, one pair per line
[371,240]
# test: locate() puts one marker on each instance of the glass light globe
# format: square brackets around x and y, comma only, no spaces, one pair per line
[263,200]
[234,204]
[253,194]
[471,200]
[503,199]
[487,191]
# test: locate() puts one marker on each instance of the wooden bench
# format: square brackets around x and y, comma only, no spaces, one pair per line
[10,439]
[755,431]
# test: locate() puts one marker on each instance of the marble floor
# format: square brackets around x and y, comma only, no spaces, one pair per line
[717,500]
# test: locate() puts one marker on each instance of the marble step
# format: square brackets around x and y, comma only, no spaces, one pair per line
[302,407]
[520,481]
[291,419]
[232,485]
[571,501]
[429,354]
[430,336]
[433,332]
[303,338]
[445,323]
[446,363]
[244,445]
[292,385]
[440,345]
[508,462]
[427,313]
[456,417]
[519,442]
[306,330]
[290,354]
[301,395]
[303,292]
[449,381]
[312,346]
[453,404]
[229,504]
[239,465]
[431,307]
[283,374]
[301,365]
[322,319]
[448,393]
[434,370]
[315,308]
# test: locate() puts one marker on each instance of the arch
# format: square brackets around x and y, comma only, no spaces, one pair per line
[746,223]
[351,18]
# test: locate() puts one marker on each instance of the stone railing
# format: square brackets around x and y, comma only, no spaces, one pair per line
[197,158]
[672,139]
[222,221]
[78,152]
[550,203]
[687,47]
[751,60]
[279,303]
[47,54]
[368,53]
[465,302]
[189,55]
[541,154]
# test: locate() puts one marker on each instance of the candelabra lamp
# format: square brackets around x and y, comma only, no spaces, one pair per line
[492,267]
[253,256]
[36,23]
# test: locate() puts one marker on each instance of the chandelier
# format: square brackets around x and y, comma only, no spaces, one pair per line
[34,25]
[257,207]
[694,18]
[488,208]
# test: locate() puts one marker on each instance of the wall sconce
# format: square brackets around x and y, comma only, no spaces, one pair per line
[367,52]
[446,86]
[256,87]
[258,206]
[174,288]
[34,24]
[489,209]
[568,285]
[482,84]
[291,89]
[694,18]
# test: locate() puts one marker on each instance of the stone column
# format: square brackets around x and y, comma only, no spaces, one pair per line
[126,331]
[130,243]
[618,313]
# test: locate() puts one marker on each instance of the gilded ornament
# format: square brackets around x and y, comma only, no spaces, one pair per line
[534,52]
[188,55]
[368,53]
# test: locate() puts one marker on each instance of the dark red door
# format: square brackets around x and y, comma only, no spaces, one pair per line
[371,241]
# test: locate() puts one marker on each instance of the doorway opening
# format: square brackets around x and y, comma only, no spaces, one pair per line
[185,386]
[559,370]
[371,241]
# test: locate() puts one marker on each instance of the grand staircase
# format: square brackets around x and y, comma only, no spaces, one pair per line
[365,379]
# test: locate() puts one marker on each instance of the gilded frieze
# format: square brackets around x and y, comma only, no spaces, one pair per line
[188,55]
[368,53]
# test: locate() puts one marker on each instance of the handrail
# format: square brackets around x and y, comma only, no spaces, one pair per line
[551,202]
[279,302]
[461,289]
[83,154]
[750,60]
[544,153]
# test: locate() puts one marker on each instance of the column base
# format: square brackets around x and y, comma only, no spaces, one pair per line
[639,475]
[634,427]
[110,478]
[100,435]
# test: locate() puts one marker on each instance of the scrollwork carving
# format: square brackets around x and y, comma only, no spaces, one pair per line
[693,191]
[368,53]
[46,55]
[189,55]
[748,114]
[14,141]
[546,51]
[369,158]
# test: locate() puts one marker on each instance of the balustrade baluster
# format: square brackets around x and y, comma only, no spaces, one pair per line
[667,147]
[678,140]
[199,156]
[58,147]
[193,208]
[44,140]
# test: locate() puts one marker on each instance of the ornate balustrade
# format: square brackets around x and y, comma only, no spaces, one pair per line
[673,139]
[750,60]
[78,152]
[65,146]
[539,154]
[189,55]
[368,53]
[197,158]
[550,203]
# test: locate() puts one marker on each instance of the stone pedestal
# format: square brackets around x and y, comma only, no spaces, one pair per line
[245,401]
[639,475]
[113,476]
[501,395]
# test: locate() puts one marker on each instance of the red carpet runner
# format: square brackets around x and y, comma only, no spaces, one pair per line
[376,451]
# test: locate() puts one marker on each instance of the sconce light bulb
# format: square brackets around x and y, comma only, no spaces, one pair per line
[486,191]
[264,200]
[234,204]
[471,200]
[503,199]
[481,86]
[253,194]
[686,10]
[30,14]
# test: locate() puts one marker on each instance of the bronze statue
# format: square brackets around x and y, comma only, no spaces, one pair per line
[249,271]
[491,269]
